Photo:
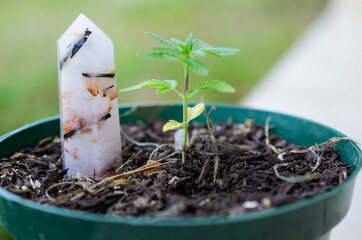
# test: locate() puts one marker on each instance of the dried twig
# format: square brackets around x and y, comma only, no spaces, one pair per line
[329,142]
[308,177]
[138,170]
[319,160]
[312,175]
[267,141]
[204,170]
[61,184]
[216,159]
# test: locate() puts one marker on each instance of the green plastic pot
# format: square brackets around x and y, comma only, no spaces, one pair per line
[310,219]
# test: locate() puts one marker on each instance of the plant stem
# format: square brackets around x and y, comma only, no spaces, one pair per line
[186,82]
[186,87]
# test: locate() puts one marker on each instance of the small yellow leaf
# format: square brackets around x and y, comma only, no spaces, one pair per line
[194,112]
[171,125]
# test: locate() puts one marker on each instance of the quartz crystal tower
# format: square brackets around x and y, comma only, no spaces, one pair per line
[90,130]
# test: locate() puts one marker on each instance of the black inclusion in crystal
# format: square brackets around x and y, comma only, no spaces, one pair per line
[101,75]
[76,48]
[80,43]
[104,90]
[74,131]
[105,117]
[69,134]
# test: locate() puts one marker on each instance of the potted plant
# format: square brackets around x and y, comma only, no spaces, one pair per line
[311,218]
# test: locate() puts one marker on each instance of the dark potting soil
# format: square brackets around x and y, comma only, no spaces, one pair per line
[250,175]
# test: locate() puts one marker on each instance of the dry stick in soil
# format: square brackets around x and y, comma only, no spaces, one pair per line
[84,188]
[204,171]
[139,170]
[216,159]
[267,141]
[319,160]
[311,175]
[58,185]
[148,169]
[317,146]
[329,142]
[308,177]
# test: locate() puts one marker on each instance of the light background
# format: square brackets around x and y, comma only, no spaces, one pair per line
[262,29]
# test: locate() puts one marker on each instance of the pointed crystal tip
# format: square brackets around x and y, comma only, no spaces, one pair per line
[80,16]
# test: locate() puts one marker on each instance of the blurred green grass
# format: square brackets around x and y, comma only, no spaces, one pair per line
[262,29]
[28,75]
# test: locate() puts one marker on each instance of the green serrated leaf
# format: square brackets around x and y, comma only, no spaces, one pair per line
[194,112]
[171,83]
[184,49]
[161,39]
[177,41]
[188,43]
[152,83]
[216,85]
[190,93]
[197,66]
[162,91]
[222,51]
[213,54]
[199,45]
[171,125]
[158,55]
[198,53]
[167,49]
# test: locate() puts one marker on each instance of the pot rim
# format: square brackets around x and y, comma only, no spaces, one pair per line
[180,221]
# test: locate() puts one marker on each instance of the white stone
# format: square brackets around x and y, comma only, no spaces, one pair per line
[250,204]
[179,139]
[91,139]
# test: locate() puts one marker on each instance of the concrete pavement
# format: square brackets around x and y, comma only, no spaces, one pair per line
[320,78]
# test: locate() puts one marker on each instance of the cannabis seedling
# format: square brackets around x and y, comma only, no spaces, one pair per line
[185,52]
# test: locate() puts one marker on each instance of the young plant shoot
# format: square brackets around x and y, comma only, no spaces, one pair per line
[185,53]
